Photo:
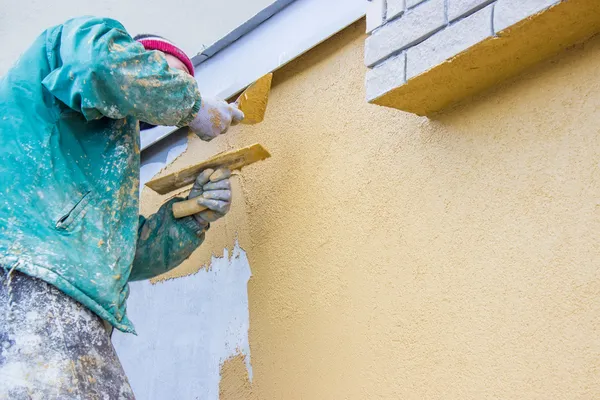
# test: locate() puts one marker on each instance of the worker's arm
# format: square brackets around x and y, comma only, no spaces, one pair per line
[164,242]
[102,72]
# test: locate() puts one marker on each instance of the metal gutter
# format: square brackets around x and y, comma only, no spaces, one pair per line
[264,44]
[240,31]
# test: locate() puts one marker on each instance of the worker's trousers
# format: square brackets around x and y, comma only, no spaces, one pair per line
[51,347]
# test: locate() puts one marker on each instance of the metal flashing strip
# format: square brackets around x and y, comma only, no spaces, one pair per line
[296,28]
[240,31]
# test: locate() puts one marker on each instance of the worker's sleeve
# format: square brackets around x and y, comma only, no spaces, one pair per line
[102,72]
[164,242]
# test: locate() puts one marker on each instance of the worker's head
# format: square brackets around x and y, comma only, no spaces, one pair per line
[176,58]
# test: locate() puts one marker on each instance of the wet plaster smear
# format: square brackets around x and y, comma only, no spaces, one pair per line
[400,257]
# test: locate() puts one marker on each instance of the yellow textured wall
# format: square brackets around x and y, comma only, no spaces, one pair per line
[397,257]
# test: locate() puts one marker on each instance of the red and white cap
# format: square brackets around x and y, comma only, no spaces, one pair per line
[151,42]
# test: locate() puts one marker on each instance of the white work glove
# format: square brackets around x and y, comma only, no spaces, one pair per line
[213,191]
[214,118]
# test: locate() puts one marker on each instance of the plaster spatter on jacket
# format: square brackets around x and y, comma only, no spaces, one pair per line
[69,141]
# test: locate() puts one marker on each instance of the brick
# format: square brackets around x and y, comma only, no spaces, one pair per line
[509,12]
[496,59]
[386,76]
[449,42]
[414,26]
[375,13]
[461,8]
[412,3]
[395,8]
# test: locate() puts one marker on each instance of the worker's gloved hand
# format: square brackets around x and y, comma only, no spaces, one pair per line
[214,118]
[212,190]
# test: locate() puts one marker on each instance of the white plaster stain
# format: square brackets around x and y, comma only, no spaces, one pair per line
[187,328]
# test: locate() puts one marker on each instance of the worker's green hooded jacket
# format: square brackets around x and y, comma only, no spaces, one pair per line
[69,163]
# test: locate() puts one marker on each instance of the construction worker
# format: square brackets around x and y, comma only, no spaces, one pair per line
[70,235]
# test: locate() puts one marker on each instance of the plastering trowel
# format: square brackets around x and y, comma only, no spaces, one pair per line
[231,159]
[253,103]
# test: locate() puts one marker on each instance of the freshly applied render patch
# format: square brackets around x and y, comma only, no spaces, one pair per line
[235,383]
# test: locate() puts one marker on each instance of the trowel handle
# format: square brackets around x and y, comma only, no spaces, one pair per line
[188,207]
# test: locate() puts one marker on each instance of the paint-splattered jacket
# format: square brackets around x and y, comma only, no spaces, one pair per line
[69,163]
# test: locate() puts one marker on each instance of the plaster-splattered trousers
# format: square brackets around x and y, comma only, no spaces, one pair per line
[51,347]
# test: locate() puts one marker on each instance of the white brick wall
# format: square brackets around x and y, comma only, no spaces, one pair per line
[449,42]
[395,8]
[460,8]
[375,14]
[414,26]
[417,35]
[388,74]
[412,3]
